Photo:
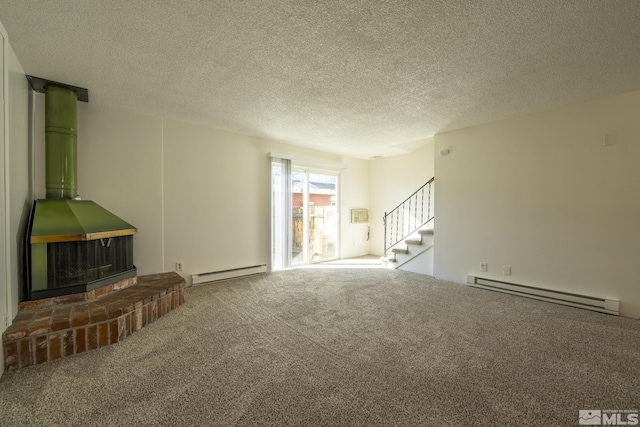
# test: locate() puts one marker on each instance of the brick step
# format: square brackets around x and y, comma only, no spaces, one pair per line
[46,332]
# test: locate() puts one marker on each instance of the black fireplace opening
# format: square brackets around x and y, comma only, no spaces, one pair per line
[78,263]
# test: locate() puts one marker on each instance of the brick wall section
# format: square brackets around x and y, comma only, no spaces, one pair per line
[52,330]
[79,297]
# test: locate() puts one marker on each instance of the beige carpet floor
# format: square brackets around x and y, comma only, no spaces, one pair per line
[336,346]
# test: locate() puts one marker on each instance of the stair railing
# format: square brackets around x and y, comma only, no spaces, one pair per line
[413,213]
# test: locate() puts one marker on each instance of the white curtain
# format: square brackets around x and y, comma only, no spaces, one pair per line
[281,229]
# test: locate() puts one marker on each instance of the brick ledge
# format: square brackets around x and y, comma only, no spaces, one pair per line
[47,333]
[78,297]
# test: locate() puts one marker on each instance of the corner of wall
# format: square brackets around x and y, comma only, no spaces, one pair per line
[354,193]
[15,146]
[392,179]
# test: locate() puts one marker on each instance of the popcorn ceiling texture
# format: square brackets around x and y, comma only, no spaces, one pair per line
[361,78]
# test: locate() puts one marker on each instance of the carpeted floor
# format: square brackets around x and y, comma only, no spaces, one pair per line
[335,347]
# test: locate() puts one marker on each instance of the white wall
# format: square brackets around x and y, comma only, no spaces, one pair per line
[393,179]
[15,179]
[19,197]
[542,194]
[354,193]
[4,277]
[217,197]
[196,194]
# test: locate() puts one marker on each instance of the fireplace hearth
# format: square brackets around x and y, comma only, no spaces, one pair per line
[53,328]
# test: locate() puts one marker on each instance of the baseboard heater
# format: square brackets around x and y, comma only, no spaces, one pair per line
[601,305]
[214,276]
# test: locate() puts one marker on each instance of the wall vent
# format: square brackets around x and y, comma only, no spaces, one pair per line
[601,305]
[359,216]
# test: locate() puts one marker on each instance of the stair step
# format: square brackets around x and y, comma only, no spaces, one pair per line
[413,241]
[400,251]
[388,259]
[428,231]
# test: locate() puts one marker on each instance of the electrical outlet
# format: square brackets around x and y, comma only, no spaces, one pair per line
[179,266]
[484,266]
[506,270]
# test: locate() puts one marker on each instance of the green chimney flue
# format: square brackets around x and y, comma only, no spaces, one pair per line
[61,139]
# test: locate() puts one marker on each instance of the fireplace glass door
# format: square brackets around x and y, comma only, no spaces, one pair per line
[77,263]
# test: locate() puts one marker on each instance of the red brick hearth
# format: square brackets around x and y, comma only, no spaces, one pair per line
[49,329]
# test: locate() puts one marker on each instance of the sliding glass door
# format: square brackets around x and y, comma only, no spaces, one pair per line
[305,223]
[322,218]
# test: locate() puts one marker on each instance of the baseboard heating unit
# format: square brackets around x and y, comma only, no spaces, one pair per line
[601,305]
[214,276]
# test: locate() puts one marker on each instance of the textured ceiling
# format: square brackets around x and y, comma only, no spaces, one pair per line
[362,78]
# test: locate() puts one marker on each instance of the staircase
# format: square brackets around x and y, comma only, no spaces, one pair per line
[413,254]
[409,232]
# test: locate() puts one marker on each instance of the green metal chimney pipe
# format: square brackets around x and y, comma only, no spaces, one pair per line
[61,139]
